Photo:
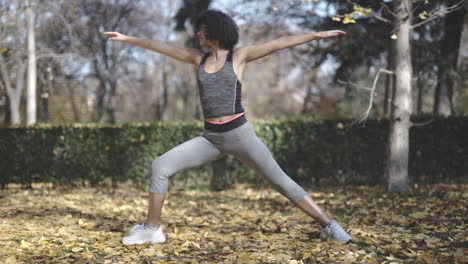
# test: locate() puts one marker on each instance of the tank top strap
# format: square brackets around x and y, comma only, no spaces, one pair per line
[229,58]
[204,58]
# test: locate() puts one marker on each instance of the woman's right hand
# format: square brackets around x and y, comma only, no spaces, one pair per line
[328,34]
[115,36]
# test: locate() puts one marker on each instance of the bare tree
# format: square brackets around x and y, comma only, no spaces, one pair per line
[401,102]
[402,105]
[447,70]
[13,30]
[108,60]
[12,57]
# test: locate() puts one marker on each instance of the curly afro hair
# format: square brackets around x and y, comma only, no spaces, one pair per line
[218,27]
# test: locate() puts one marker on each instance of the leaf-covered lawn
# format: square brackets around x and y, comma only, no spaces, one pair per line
[242,225]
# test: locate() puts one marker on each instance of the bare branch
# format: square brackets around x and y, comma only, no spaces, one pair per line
[408,11]
[441,12]
[388,9]
[373,14]
[355,85]
[380,18]
[422,124]
[365,115]
[68,26]
[55,55]
[416,78]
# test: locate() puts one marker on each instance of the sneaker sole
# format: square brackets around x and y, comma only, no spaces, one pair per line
[140,242]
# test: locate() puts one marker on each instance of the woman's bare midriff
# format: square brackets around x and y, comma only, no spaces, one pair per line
[222,118]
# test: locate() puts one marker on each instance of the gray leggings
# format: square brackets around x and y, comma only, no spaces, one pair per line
[242,142]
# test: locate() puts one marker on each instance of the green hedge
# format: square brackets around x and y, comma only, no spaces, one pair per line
[310,151]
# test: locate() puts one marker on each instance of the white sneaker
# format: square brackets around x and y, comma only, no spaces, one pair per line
[135,228]
[334,231]
[142,233]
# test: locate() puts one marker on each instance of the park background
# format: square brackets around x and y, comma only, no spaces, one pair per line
[79,110]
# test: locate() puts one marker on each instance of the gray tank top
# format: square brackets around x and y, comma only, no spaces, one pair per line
[220,92]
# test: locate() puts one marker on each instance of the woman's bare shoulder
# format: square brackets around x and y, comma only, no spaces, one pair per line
[198,55]
[241,52]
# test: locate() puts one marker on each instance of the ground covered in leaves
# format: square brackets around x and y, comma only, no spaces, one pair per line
[242,225]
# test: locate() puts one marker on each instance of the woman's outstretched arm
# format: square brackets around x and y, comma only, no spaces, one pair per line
[189,55]
[255,52]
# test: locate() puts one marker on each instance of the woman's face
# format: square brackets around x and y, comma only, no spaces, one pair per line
[202,37]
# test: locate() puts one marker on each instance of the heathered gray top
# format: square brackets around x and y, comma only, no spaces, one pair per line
[220,92]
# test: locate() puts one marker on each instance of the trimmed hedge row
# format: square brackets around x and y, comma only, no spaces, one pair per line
[309,151]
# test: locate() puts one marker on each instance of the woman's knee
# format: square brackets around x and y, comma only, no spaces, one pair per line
[159,177]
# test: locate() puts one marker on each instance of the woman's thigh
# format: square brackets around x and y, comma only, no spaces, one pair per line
[189,154]
[250,149]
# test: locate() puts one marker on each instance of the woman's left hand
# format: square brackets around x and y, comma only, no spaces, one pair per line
[329,33]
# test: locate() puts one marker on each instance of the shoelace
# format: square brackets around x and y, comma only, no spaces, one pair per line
[146,226]
[329,230]
[332,231]
[135,228]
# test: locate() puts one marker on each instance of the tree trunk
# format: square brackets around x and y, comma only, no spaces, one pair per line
[163,101]
[7,117]
[15,110]
[75,108]
[45,109]
[46,101]
[14,94]
[307,106]
[6,103]
[390,79]
[420,84]
[447,72]
[220,179]
[398,144]
[31,104]
[101,93]
[111,101]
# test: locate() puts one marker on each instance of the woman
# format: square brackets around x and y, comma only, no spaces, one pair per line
[226,129]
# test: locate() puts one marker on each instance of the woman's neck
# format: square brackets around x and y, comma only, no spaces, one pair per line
[217,52]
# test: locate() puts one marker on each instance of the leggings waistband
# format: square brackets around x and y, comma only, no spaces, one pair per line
[226,126]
